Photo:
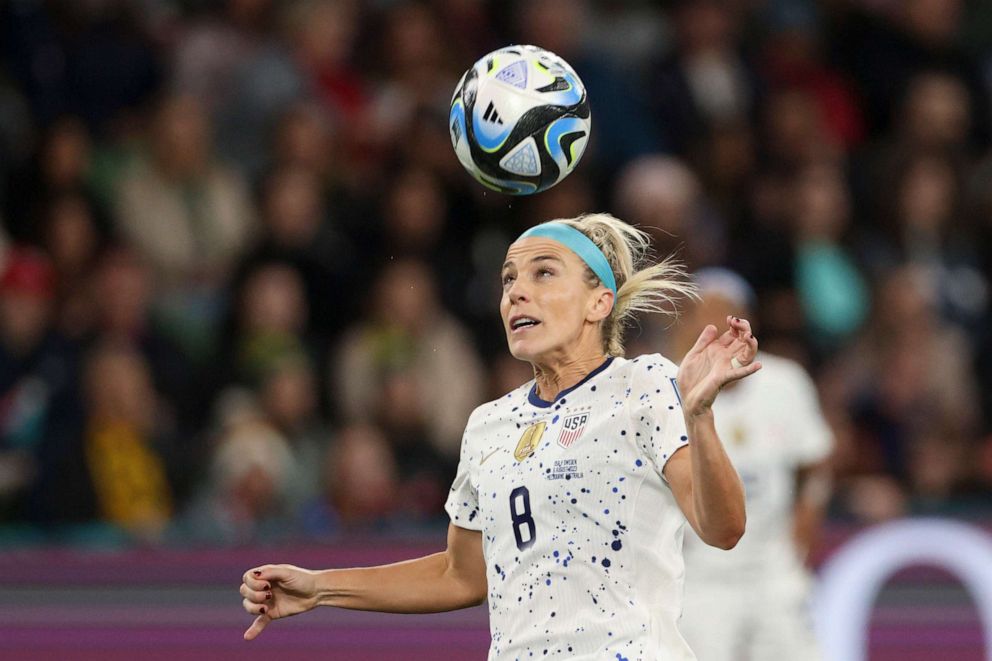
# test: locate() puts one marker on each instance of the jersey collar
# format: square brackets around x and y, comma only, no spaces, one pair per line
[533,398]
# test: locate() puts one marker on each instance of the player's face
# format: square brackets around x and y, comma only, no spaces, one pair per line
[546,297]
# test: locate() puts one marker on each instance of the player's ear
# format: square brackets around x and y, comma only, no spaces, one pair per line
[600,305]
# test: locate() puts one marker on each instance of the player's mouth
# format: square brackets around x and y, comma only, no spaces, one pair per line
[521,323]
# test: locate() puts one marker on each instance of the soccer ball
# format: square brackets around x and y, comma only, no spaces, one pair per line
[519,120]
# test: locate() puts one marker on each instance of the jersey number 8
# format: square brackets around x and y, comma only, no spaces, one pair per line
[522,518]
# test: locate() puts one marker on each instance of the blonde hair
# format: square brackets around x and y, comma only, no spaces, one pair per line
[642,286]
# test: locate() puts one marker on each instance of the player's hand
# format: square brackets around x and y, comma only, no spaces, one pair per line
[709,365]
[275,591]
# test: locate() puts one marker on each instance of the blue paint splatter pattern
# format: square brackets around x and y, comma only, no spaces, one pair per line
[602,576]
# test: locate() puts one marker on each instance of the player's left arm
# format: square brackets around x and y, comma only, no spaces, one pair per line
[702,478]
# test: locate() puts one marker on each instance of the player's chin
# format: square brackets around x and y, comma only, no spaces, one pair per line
[521,348]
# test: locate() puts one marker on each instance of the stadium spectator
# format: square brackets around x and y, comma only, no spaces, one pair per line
[794,57]
[239,64]
[726,162]
[885,47]
[936,113]
[906,378]
[94,61]
[933,119]
[115,462]
[664,196]
[305,137]
[271,318]
[299,230]
[246,496]
[72,237]
[706,82]
[796,133]
[926,225]
[417,75]
[268,451]
[418,224]
[361,491]
[211,49]
[61,166]
[940,478]
[289,400]
[190,217]
[323,35]
[831,290]
[17,141]
[390,366]
[120,292]
[38,378]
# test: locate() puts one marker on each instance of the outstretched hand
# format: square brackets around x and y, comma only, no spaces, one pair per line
[276,591]
[714,361]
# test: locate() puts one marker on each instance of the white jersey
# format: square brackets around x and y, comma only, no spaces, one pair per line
[581,534]
[771,425]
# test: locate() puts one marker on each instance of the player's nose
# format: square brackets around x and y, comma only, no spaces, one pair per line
[518,292]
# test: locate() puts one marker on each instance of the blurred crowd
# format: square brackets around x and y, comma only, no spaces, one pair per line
[248,294]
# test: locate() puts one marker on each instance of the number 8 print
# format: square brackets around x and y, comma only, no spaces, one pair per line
[522,518]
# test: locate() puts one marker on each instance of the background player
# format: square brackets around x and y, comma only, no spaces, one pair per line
[751,603]
[572,491]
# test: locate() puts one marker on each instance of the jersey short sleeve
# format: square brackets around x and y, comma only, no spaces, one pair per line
[656,409]
[812,440]
[462,504]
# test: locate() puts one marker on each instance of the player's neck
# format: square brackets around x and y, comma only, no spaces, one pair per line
[554,377]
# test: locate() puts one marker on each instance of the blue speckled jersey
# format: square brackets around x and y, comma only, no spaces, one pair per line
[581,534]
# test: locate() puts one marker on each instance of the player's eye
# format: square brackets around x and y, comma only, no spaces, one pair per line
[544,272]
[507,279]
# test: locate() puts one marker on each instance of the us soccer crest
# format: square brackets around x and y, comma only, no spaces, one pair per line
[572,427]
[529,440]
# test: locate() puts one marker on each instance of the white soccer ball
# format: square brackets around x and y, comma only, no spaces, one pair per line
[519,120]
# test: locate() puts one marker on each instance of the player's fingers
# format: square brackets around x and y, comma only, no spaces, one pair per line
[738,373]
[750,348]
[257,626]
[744,349]
[729,336]
[253,608]
[705,338]
[737,329]
[742,326]
[272,572]
[256,584]
[257,596]
[735,348]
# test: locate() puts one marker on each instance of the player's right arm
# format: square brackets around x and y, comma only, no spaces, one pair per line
[452,579]
[813,488]
[809,451]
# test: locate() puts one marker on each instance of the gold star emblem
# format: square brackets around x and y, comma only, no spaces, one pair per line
[529,441]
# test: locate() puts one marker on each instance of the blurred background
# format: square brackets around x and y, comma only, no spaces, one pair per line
[248,296]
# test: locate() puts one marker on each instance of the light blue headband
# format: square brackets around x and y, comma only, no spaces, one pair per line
[581,245]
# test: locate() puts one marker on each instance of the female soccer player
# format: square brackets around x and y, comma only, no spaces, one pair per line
[572,491]
[779,443]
